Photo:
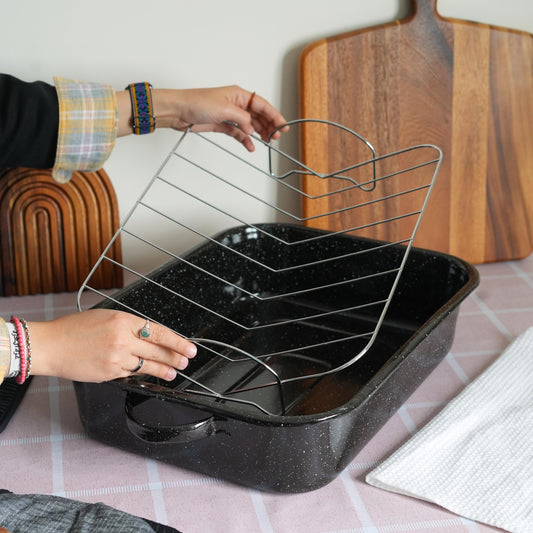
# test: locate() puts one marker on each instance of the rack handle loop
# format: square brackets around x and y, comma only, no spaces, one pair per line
[332,125]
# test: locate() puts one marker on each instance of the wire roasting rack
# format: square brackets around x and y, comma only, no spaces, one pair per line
[274,306]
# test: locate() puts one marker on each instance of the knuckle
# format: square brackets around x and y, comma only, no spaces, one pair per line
[117,320]
[157,334]
[115,357]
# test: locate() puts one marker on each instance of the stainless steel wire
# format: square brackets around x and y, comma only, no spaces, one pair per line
[207,197]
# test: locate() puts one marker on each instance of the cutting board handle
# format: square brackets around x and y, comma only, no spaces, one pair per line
[423,8]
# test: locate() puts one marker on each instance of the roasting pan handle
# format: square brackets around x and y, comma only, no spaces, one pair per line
[177,434]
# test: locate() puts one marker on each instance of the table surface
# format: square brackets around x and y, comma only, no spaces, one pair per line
[44,448]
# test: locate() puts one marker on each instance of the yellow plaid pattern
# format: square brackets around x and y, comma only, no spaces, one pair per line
[88,122]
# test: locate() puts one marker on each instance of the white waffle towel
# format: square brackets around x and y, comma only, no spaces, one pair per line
[475,458]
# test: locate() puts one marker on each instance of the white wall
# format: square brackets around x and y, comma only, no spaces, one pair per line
[185,43]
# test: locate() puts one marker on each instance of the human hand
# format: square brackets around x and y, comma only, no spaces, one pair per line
[102,344]
[230,110]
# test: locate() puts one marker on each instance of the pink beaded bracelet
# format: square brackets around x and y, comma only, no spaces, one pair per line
[21,378]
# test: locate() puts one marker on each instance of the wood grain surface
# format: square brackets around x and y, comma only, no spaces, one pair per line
[52,234]
[464,86]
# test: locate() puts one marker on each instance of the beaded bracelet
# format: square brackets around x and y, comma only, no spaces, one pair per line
[14,351]
[28,346]
[21,378]
[142,107]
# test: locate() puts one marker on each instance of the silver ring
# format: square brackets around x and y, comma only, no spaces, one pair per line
[138,367]
[144,333]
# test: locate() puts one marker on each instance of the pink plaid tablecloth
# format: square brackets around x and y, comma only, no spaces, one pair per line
[44,449]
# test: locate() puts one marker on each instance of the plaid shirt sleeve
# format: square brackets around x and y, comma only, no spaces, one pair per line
[88,123]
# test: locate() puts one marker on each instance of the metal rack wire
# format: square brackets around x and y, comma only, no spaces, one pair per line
[273,306]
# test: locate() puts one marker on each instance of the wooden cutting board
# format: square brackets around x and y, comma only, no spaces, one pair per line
[463,86]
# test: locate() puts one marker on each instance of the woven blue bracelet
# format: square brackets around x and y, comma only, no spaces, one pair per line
[142,107]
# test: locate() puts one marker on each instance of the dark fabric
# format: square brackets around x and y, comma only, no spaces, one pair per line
[31,513]
[29,120]
[161,528]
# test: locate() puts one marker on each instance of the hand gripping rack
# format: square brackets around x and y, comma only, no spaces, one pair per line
[276,306]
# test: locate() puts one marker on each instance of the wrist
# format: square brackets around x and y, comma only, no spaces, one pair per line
[42,365]
[167,107]
[142,109]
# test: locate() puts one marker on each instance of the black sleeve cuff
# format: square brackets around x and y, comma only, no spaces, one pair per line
[29,120]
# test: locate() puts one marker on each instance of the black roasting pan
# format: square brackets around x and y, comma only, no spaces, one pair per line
[304,440]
